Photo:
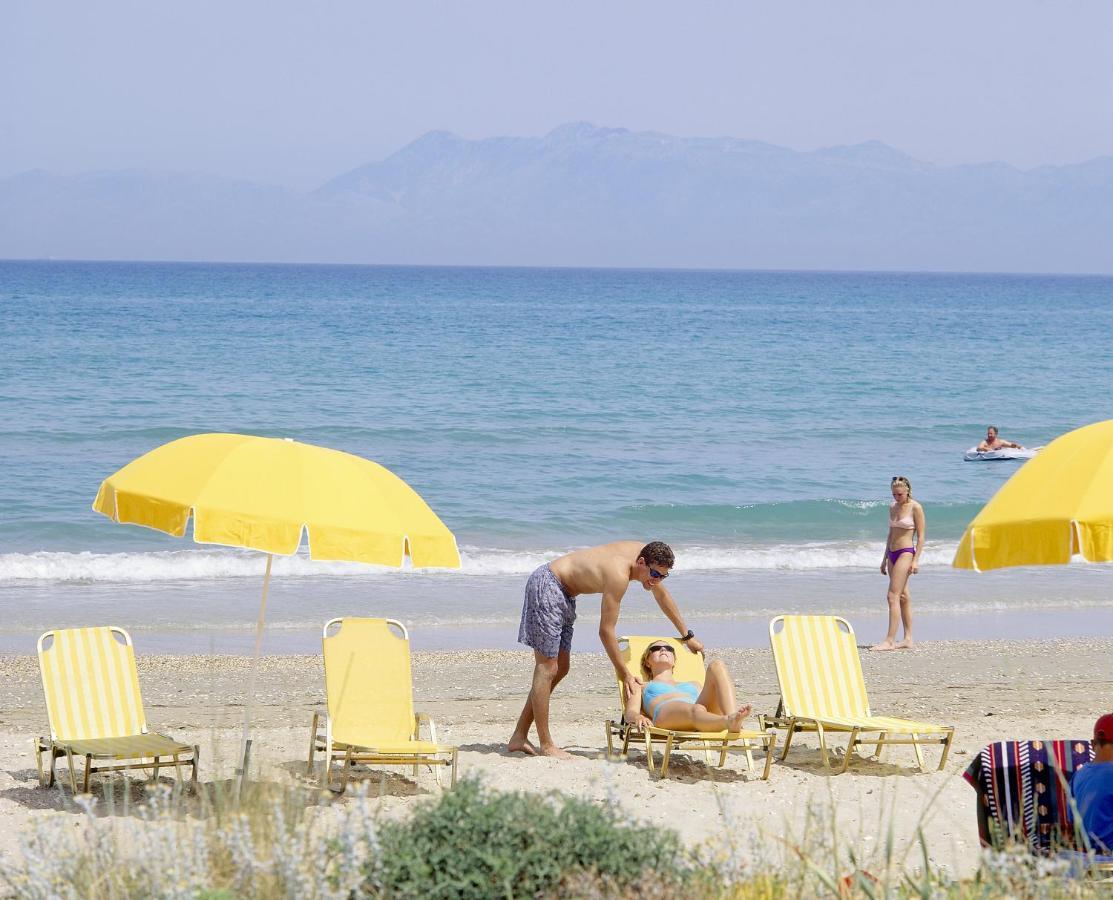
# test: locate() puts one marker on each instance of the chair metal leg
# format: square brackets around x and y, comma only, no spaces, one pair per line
[769,748]
[88,772]
[178,771]
[849,749]
[454,754]
[919,751]
[665,758]
[649,752]
[946,750]
[823,745]
[312,744]
[788,738]
[39,761]
[73,775]
[610,743]
[883,736]
[346,771]
[749,756]
[193,776]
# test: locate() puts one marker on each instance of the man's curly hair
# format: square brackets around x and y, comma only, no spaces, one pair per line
[658,553]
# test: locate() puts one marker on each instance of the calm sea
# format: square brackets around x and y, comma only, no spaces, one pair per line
[751,419]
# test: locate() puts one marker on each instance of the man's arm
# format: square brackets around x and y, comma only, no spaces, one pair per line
[672,613]
[608,620]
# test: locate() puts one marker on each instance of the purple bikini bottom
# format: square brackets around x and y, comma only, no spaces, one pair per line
[894,555]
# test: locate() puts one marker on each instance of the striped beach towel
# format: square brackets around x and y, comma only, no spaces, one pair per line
[1023,792]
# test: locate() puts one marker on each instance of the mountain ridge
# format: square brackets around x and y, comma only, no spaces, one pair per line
[587,195]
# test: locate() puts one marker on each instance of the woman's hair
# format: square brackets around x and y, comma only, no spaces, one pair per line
[900,479]
[646,674]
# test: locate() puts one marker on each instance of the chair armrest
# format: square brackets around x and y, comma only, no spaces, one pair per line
[428,720]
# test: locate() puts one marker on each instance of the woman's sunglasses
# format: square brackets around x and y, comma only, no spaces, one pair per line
[657,647]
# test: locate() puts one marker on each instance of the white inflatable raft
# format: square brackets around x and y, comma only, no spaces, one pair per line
[1006,453]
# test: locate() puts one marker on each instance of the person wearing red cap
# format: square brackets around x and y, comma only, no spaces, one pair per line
[1092,787]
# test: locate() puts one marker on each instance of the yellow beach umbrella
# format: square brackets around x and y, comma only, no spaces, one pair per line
[264,493]
[1058,504]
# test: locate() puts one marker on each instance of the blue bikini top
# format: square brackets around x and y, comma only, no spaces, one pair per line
[654,689]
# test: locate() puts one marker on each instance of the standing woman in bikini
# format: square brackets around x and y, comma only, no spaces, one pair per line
[901,561]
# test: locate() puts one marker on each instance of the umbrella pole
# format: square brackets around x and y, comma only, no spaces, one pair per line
[253,674]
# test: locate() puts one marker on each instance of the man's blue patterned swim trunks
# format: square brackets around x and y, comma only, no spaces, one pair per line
[547,614]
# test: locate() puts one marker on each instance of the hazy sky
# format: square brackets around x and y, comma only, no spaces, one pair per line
[294,93]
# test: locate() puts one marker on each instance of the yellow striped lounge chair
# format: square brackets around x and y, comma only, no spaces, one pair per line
[689,667]
[370,717]
[822,690]
[95,710]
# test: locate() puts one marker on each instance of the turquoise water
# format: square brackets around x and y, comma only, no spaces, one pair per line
[752,419]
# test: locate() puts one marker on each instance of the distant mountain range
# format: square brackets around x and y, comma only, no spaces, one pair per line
[588,196]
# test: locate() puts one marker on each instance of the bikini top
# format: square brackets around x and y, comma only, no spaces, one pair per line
[654,689]
[894,522]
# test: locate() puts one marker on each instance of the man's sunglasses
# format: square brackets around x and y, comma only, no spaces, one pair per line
[658,576]
[657,647]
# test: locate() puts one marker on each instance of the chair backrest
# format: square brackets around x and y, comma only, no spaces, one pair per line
[90,683]
[689,666]
[818,667]
[368,682]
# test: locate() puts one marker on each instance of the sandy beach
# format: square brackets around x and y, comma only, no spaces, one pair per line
[988,690]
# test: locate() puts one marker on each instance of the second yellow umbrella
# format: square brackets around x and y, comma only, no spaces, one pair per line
[1058,504]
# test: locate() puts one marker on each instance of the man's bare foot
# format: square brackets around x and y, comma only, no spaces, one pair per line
[884,645]
[556,752]
[906,644]
[734,723]
[521,745]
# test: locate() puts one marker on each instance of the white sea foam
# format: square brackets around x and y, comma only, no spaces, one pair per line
[206,565]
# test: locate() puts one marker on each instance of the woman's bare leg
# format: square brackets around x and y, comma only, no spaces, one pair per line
[696,717]
[898,583]
[905,618]
[718,690]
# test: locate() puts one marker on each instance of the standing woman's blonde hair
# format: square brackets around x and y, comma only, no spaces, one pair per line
[900,479]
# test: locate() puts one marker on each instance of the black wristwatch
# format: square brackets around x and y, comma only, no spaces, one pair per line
[691,634]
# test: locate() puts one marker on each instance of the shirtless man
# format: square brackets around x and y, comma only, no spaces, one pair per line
[993,442]
[549,611]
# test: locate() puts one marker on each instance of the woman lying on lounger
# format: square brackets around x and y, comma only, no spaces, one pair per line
[683,705]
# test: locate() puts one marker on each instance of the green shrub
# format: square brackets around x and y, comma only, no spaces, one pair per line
[475,842]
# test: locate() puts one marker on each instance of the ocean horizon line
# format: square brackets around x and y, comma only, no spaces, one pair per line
[511,267]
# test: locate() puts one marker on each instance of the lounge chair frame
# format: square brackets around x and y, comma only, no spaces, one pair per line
[100,751]
[723,743]
[346,756]
[861,726]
